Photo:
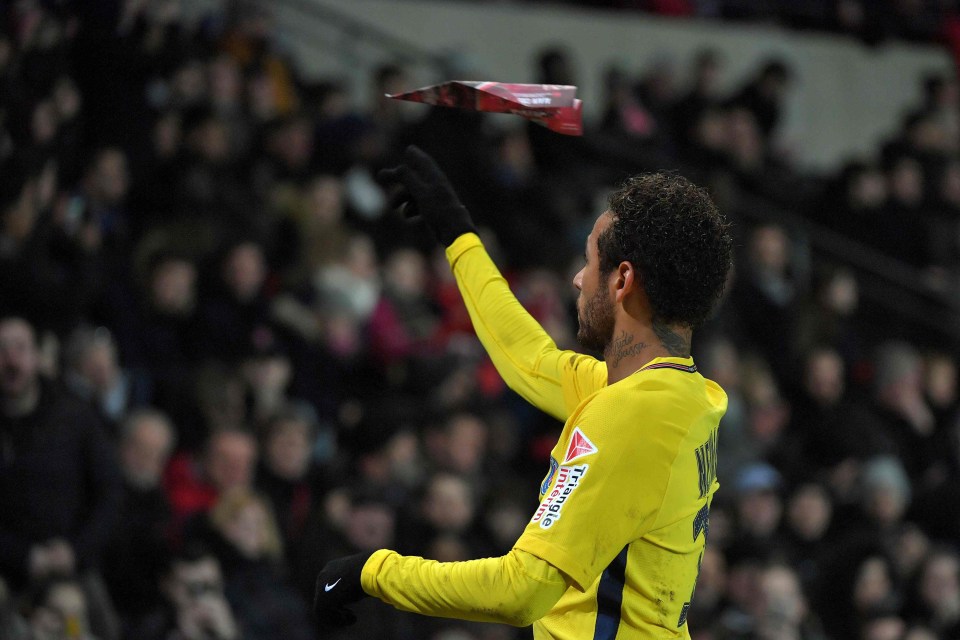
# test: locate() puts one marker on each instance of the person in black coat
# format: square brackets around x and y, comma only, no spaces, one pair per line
[244,535]
[59,483]
[194,606]
[141,540]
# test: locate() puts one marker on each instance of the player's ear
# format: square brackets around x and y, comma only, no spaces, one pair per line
[627,280]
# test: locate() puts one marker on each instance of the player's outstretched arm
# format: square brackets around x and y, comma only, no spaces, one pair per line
[554,381]
[517,588]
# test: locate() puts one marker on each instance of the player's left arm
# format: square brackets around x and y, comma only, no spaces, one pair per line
[517,588]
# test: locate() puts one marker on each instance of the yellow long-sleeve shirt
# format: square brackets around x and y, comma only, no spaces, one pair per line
[614,548]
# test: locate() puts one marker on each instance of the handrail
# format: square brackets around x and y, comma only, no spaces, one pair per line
[869,259]
[915,299]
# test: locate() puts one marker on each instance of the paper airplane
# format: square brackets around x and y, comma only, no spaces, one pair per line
[552,105]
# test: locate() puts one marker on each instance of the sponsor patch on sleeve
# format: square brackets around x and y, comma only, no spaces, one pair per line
[579,447]
[568,479]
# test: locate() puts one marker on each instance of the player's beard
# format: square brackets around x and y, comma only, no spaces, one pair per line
[596,322]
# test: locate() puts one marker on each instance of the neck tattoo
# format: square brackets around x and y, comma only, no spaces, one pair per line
[673,342]
[622,347]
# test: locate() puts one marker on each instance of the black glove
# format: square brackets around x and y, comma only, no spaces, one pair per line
[425,191]
[338,585]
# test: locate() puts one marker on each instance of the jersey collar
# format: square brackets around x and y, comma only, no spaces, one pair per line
[684,365]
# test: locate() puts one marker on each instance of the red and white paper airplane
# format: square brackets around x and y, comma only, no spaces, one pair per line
[552,105]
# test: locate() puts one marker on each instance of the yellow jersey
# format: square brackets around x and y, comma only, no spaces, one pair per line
[624,510]
[624,507]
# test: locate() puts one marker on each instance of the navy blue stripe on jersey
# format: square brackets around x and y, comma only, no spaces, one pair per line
[610,597]
[671,365]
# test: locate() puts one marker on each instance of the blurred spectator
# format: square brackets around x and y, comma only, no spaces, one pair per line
[624,114]
[766,293]
[460,445]
[447,511]
[12,626]
[657,89]
[58,609]
[861,583]
[904,417]
[287,474]
[883,625]
[41,270]
[314,226]
[807,528]
[764,95]
[504,516]
[943,489]
[901,237]
[759,509]
[355,521]
[910,548]
[768,413]
[874,588]
[720,362]
[829,317]
[386,115]
[98,218]
[194,482]
[940,389]
[919,632]
[853,202]
[225,86]
[162,161]
[92,371]
[289,149]
[209,179]
[938,592]
[710,593]
[248,40]
[141,538]
[703,94]
[386,454]
[943,239]
[403,321]
[250,549]
[743,596]
[58,502]
[158,333]
[238,309]
[783,611]
[267,371]
[885,494]
[826,433]
[941,99]
[194,606]
[351,283]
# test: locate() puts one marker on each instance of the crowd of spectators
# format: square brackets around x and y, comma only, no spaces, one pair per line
[223,362]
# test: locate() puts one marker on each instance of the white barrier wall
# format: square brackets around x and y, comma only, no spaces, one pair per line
[846,98]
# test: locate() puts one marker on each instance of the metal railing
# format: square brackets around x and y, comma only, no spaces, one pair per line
[906,292]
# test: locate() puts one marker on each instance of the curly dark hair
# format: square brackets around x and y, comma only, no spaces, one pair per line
[672,232]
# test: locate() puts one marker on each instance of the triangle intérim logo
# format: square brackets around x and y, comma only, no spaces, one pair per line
[579,446]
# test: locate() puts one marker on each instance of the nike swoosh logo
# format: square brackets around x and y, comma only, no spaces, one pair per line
[328,587]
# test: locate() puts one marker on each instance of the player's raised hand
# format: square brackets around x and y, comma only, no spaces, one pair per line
[423,190]
[338,585]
